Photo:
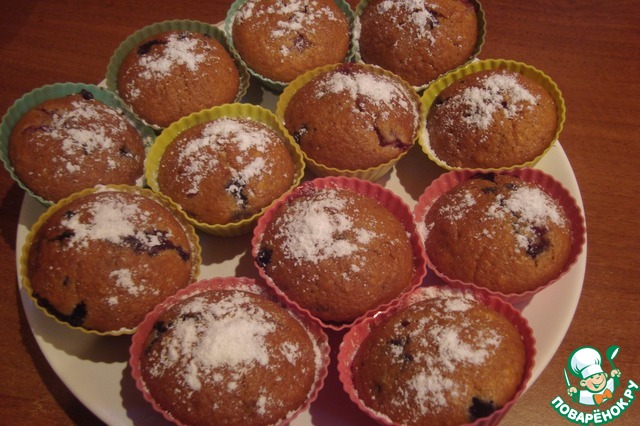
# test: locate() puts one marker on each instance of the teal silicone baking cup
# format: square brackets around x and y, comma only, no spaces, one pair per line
[186,25]
[54,91]
[278,86]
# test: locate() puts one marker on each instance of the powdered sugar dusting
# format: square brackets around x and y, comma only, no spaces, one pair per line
[497,94]
[225,338]
[312,229]
[83,135]
[378,89]
[204,153]
[443,349]
[114,219]
[528,206]
[293,17]
[418,17]
[179,50]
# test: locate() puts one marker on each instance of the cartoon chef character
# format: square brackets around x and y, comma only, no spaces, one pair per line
[586,364]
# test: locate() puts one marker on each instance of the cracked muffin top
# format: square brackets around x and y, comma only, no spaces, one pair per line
[280,40]
[353,117]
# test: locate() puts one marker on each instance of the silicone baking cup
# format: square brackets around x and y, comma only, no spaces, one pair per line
[482,32]
[216,284]
[248,111]
[134,39]
[274,85]
[357,334]
[164,201]
[548,184]
[429,96]
[371,190]
[54,91]
[321,170]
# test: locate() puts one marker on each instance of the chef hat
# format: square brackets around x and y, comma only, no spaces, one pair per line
[585,362]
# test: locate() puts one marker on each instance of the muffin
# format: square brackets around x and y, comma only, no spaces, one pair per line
[418,40]
[351,116]
[226,169]
[173,73]
[72,142]
[446,358]
[279,40]
[101,259]
[499,232]
[228,356]
[491,119]
[337,251]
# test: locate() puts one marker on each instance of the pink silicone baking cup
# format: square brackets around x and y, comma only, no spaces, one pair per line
[214,284]
[363,187]
[547,183]
[354,337]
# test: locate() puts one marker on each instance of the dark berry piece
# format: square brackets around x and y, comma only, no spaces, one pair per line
[75,318]
[264,257]
[539,243]
[479,408]
[145,48]
[491,177]
[65,235]
[140,246]
[86,95]
[393,142]
[236,189]
[298,134]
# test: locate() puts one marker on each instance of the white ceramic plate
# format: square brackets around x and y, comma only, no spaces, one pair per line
[95,368]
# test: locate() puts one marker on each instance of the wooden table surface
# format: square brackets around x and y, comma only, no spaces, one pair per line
[590,48]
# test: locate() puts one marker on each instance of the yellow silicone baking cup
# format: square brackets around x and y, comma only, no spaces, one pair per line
[244,110]
[321,170]
[278,86]
[432,92]
[482,32]
[177,211]
[53,91]
[174,25]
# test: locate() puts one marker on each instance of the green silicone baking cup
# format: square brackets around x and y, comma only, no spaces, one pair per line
[279,86]
[482,32]
[434,89]
[54,91]
[173,25]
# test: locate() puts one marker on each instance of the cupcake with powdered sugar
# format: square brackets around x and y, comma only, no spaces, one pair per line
[168,70]
[339,249]
[224,351]
[224,166]
[280,40]
[512,233]
[99,260]
[350,119]
[445,356]
[491,115]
